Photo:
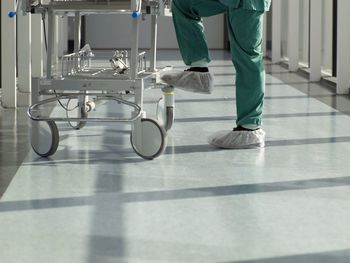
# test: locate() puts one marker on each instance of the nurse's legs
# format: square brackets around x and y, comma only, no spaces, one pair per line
[187,17]
[245,29]
[245,32]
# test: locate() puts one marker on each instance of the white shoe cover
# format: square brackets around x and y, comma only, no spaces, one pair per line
[199,82]
[238,139]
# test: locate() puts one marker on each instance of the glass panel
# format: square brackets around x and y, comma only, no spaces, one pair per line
[304,32]
[268,26]
[327,36]
[284,35]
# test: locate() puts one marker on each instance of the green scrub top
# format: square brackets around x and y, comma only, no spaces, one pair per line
[258,5]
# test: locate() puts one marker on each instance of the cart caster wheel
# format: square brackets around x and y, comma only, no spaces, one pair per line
[149,139]
[44,137]
[79,112]
[169,120]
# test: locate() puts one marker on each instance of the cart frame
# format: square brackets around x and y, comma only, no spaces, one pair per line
[148,136]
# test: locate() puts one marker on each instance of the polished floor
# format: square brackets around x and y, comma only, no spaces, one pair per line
[96,201]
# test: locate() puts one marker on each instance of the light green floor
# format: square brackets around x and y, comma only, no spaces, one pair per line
[96,201]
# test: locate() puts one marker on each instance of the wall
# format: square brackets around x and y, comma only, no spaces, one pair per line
[113,31]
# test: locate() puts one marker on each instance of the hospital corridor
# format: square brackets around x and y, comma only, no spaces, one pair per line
[102,160]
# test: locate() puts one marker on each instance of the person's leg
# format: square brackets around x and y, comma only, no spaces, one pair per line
[187,18]
[245,32]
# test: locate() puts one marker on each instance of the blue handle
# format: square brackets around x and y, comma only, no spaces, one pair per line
[11,14]
[135,14]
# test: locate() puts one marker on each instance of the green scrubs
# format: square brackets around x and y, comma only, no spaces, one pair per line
[245,27]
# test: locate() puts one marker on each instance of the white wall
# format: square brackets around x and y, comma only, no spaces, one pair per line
[113,31]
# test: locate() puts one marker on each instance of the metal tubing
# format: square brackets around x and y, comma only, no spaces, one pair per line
[51,39]
[137,112]
[8,56]
[37,46]
[77,36]
[135,42]
[154,26]
[23,55]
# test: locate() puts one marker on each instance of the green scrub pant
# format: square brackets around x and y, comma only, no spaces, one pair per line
[245,35]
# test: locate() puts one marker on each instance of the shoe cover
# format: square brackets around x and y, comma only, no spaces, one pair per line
[238,139]
[199,82]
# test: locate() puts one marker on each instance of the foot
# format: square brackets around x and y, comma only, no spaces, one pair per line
[238,138]
[193,79]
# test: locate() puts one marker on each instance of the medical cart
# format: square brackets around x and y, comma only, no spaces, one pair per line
[78,84]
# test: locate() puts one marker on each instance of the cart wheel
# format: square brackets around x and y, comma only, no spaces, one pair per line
[79,112]
[169,120]
[44,137]
[149,139]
